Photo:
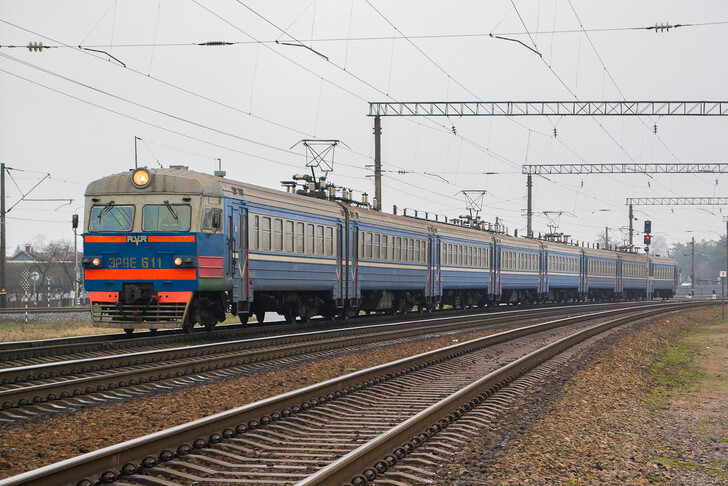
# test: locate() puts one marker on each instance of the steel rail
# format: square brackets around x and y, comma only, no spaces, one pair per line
[132,456]
[363,464]
[44,310]
[119,371]
[24,350]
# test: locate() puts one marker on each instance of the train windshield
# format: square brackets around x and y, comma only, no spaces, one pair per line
[111,218]
[166,217]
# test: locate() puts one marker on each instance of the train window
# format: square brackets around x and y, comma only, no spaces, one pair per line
[111,218]
[397,248]
[278,234]
[211,218]
[288,237]
[368,245]
[300,240]
[385,247]
[309,238]
[319,247]
[254,235]
[410,250]
[375,246]
[265,233]
[166,217]
[329,250]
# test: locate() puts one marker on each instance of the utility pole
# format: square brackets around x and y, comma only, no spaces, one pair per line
[136,164]
[378,162]
[76,273]
[3,226]
[692,268]
[529,206]
[631,228]
[606,237]
[722,296]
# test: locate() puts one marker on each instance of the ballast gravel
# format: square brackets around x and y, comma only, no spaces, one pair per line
[30,445]
[603,425]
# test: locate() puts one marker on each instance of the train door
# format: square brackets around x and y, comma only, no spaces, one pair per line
[433,268]
[341,267]
[496,264]
[354,272]
[543,270]
[620,281]
[237,264]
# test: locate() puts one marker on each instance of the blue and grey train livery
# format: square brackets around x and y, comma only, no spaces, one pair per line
[173,247]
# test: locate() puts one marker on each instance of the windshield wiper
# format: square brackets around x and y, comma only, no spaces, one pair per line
[169,207]
[106,209]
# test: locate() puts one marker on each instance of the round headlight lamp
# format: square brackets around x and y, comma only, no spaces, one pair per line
[177,261]
[96,262]
[141,178]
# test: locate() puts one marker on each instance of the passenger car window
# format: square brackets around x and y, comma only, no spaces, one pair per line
[111,218]
[166,217]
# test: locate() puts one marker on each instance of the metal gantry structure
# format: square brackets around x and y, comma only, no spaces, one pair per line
[552,108]
[677,201]
[549,108]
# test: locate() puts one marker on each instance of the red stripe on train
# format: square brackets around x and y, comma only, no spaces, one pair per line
[141,274]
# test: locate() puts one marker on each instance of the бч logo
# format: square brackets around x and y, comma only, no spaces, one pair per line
[136,239]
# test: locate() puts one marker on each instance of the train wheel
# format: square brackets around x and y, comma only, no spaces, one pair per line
[260,317]
[129,331]
[243,316]
[289,315]
[153,331]
[187,326]
[209,326]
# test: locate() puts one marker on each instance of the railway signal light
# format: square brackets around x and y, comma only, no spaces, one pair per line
[648,226]
[648,239]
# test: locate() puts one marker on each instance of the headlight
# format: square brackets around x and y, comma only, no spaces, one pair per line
[141,178]
[96,262]
[177,262]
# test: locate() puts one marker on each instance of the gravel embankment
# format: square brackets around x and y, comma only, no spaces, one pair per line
[613,422]
[69,435]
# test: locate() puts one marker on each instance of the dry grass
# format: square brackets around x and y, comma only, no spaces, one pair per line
[36,330]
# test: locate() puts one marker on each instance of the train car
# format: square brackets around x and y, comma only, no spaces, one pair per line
[633,276]
[153,249]
[564,279]
[395,267]
[600,268]
[520,276]
[663,277]
[466,270]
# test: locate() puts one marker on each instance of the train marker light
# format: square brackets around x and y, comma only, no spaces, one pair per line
[141,178]
[177,261]
[96,262]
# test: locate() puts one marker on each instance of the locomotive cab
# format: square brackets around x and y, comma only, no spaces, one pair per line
[142,239]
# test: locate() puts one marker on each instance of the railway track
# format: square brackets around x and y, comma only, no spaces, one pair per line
[21,353]
[348,430]
[44,310]
[29,390]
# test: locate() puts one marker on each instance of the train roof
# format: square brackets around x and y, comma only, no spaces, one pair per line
[181,180]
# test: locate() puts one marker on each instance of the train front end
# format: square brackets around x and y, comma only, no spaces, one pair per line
[140,249]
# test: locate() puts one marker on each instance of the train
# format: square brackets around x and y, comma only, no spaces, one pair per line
[172,247]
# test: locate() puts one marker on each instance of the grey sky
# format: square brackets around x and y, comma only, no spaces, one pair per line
[250,102]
